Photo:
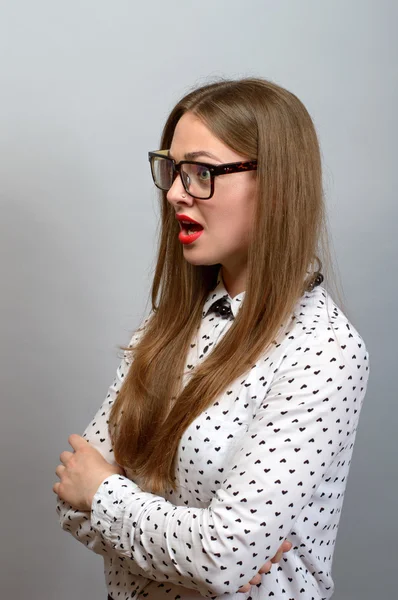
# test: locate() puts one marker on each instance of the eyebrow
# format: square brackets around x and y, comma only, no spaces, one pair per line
[194,155]
[197,154]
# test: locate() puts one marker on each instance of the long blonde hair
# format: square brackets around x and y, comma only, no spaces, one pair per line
[262,121]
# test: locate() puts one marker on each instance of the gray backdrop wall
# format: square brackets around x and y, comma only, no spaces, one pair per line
[85,87]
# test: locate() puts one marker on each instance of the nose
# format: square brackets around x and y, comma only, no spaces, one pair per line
[177,194]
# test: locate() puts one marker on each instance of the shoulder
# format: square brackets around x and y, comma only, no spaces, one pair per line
[320,360]
[319,329]
[316,315]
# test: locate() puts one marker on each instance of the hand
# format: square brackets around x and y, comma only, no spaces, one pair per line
[81,473]
[285,547]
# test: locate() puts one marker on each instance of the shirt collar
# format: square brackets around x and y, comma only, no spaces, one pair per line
[218,292]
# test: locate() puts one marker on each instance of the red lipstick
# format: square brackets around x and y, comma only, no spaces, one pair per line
[191,230]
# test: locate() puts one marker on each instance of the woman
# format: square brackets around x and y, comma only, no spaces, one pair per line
[231,422]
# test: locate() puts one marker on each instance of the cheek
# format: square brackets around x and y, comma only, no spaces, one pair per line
[233,212]
[240,217]
[233,227]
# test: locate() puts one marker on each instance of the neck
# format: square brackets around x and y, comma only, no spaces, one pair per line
[234,281]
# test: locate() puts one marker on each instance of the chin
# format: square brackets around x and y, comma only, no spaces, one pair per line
[201,262]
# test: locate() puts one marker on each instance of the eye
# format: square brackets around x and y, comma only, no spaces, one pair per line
[203,173]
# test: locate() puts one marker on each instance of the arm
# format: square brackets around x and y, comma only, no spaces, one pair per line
[309,414]
[76,522]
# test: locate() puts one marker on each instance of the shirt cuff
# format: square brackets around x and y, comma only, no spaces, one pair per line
[108,503]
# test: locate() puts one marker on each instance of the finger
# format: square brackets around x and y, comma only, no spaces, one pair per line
[77,441]
[59,470]
[56,487]
[277,556]
[256,580]
[245,588]
[65,456]
[286,546]
[266,568]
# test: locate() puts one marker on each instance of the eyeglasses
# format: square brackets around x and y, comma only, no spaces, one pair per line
[197,177]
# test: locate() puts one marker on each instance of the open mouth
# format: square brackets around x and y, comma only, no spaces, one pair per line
[189,228]
[190,232]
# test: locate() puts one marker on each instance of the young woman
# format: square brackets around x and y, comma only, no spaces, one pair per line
[230,425]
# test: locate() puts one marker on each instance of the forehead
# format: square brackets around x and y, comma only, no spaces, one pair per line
[192,135]
[190,131]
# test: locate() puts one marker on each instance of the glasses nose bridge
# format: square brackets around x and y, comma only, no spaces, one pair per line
[177,171]
[177,174]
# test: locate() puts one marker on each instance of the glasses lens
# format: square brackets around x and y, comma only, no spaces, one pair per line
[197,180]
[162,171]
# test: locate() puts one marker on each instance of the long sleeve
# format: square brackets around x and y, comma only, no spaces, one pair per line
[78,523]
[307,417]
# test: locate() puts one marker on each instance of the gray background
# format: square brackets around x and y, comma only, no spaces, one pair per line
[84,90]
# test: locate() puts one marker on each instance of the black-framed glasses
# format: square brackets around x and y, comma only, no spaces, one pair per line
[197,177]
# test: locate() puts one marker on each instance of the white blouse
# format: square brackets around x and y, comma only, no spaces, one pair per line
[267,461]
